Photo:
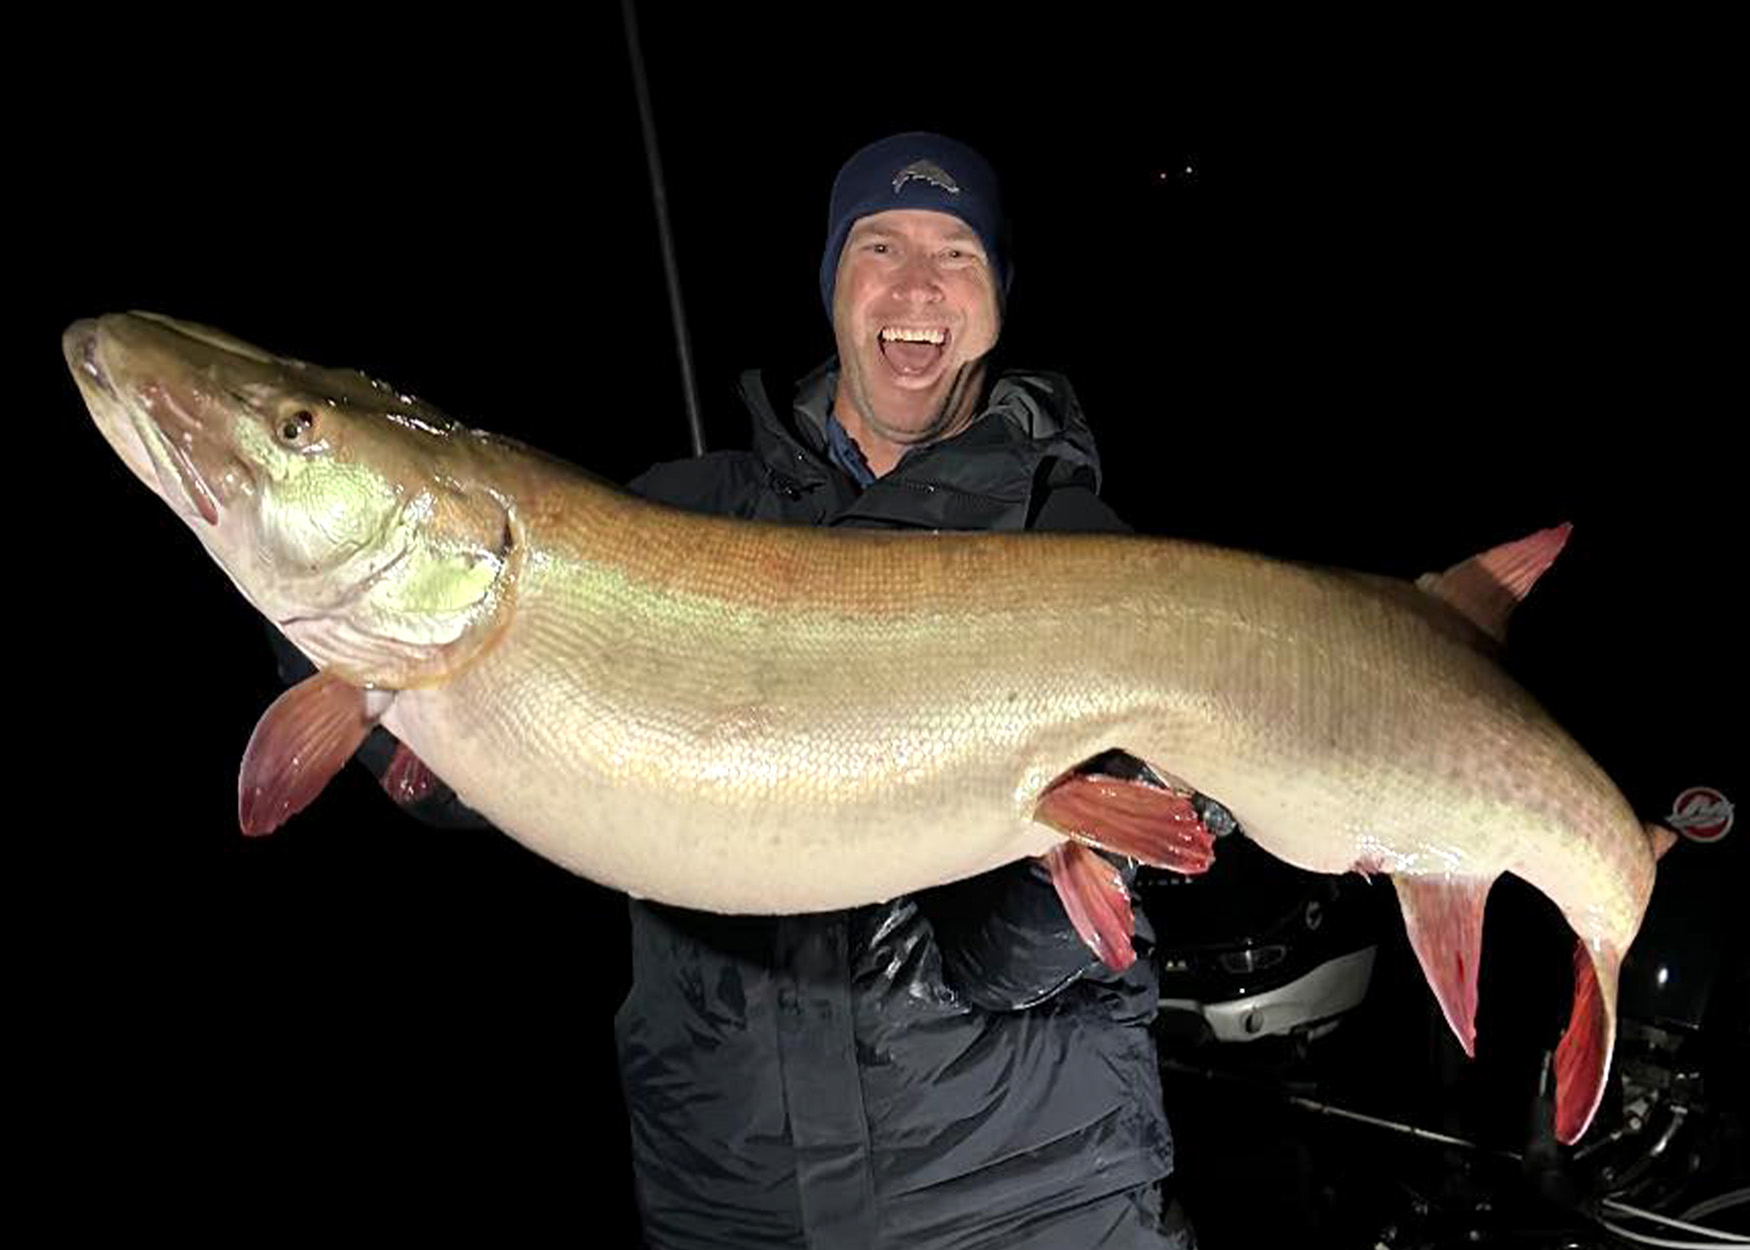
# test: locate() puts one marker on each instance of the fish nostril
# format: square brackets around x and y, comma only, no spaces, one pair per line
[88,361]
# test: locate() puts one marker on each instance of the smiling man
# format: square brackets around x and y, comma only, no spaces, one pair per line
[953,1068]
[915,312]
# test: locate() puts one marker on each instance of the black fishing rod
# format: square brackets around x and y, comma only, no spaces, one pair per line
[659,194]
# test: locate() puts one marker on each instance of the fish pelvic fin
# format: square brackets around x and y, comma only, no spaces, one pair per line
[1444,919]
[1583,1055]
[1486,588]
[1153,824]
[1097,901]
[1147,821]
[304,738]
[407,780]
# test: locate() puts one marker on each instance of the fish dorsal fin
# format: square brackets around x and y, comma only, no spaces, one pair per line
[1486,588]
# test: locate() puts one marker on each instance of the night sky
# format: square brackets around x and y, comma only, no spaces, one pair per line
[1376,298]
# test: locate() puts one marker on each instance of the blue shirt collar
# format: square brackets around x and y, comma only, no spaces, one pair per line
[842,449]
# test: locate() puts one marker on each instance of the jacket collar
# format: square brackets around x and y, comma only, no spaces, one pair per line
[1026,418]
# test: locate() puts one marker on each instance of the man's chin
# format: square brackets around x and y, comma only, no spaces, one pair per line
[910,407]
[933,383]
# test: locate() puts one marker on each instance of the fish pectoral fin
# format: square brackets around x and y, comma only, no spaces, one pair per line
[1149,823]
[1097,901]
[407,779]
[304,738]
[1444,919]
[1583,1057]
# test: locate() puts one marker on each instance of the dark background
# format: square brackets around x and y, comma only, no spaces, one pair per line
[1376,296]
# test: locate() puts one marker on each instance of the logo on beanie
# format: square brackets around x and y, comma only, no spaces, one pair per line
[926,171]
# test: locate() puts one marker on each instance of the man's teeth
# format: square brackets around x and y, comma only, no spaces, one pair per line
[904,334]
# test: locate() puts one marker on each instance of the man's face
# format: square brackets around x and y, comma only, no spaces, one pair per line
[915,314]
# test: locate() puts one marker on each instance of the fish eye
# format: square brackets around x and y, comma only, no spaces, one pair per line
[293,428]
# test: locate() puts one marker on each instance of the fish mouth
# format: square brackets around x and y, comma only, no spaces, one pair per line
[156,434]
[162,412]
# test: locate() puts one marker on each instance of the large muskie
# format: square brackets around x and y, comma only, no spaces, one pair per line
[743,717]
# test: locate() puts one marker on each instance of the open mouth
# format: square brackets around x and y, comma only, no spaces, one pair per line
[913,351]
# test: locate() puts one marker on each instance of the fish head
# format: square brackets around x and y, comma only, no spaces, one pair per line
[358,519]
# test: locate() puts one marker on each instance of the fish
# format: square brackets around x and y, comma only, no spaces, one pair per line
[744,717]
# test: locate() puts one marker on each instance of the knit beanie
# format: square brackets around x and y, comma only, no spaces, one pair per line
[916,170]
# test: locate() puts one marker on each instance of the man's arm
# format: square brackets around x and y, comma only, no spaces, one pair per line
[1006,942]
[1076,509]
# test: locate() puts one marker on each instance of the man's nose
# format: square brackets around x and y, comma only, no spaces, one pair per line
[917,280]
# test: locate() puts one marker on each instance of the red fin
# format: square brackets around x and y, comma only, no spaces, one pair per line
[407,779]
[1159,827]
[1094,895]
[1488,587]
[1583,1058]
[1660,839]
[1444,918]
[300,742]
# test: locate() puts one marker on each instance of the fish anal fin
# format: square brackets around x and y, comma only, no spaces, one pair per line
[1444,919]
[1583,1057]
[304,738]
[407,779]
[1149,823]
[1097,901]
[1486,588]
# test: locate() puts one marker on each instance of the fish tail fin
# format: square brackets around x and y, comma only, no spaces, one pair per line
[1583,1056]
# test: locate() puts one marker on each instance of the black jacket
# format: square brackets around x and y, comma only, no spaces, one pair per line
[948,1069]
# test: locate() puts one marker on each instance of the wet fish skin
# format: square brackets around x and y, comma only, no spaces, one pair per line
[739,717]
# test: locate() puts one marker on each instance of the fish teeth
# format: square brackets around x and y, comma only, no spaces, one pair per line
[914,334]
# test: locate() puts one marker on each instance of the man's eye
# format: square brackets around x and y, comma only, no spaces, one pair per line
[879,249]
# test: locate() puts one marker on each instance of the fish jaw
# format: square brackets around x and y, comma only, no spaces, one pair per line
[159,431]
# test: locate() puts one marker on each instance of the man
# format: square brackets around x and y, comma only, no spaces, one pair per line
[952,1068]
